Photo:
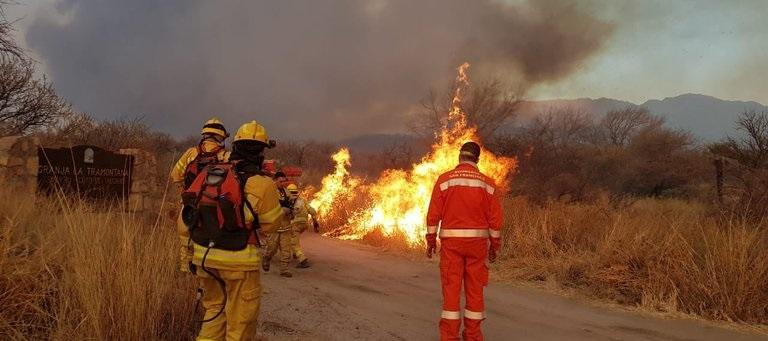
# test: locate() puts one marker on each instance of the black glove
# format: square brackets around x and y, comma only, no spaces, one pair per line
[316,226]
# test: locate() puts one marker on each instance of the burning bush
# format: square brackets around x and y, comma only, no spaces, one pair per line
[396,202]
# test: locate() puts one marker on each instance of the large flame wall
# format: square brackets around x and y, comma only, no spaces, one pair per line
[397,201]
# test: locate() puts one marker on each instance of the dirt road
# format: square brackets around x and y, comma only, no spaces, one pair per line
[354,292]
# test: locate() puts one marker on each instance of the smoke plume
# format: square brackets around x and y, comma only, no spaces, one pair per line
[319,69]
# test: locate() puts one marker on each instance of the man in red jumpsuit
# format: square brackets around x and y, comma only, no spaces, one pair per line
[465,206]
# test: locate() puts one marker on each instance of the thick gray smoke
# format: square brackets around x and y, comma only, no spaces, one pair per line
[321,69]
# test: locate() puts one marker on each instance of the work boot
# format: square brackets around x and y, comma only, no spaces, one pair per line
[286,273]
[303,264]
[265,264]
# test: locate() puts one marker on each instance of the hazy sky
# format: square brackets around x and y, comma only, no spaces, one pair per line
[666,48]
[341,68]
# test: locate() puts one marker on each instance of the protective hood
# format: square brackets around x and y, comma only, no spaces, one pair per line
[208,145]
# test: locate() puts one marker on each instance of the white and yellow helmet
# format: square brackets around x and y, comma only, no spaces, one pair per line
[293,190]
[215,127]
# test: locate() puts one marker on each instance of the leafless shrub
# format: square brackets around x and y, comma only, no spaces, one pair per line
[751,149]
[661,160]
[25,102]
[112,135]
[561,127]
[620,125]
[488,106]
[9,50]
[747,162]
[567,154]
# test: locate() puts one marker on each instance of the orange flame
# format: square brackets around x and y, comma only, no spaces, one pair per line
[334,185]
[398,199]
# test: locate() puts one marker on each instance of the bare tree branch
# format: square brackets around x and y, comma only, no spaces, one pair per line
[8,47]
[26,102]
[487,106]
[621,124]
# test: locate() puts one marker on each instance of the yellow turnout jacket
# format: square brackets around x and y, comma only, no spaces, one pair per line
[301,213]
[177,173]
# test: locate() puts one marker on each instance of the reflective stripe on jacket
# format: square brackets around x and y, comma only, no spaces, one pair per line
[465,204]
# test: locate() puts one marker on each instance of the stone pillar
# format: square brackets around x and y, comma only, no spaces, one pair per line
[19,163]
[146,191]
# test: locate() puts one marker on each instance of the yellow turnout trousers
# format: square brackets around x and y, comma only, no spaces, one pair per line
[185,246]
[296,250]
[280,240]
[239,320]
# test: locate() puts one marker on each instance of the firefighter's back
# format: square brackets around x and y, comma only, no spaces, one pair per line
[465,192]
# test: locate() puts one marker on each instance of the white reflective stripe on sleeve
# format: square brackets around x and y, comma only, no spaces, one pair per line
[451,315]
[474,315]
[494,233]
[463,233]
[467,183]
[431,229]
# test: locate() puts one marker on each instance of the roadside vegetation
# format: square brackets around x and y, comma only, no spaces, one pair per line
[666,255]
[623,208]
[619,206]
[70,270]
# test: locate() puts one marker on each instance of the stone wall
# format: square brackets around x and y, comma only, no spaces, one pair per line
[19,166]
[18,162]
[145,195]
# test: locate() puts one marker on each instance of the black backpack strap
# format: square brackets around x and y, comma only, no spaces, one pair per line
[247,204]
[253,212]
[255,226]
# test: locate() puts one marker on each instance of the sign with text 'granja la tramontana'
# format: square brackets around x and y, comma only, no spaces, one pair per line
[86,170]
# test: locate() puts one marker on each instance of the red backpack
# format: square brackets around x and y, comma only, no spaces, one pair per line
[202,159]
[213,209]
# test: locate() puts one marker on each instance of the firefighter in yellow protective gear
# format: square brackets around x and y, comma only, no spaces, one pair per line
[300,223]
[239,270]
[280,239]
[210,149]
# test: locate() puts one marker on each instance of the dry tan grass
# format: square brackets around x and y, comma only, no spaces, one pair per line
[666,255]
[72,272]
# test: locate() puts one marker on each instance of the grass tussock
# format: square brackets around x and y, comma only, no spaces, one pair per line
[71,271]
[667,255]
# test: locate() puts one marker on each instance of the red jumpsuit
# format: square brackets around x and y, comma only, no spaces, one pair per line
[465,206]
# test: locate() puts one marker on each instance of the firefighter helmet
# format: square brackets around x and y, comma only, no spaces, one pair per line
[292,188]
[252,131]
[215,127]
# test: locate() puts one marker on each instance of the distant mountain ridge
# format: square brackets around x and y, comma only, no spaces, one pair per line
[708,118]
